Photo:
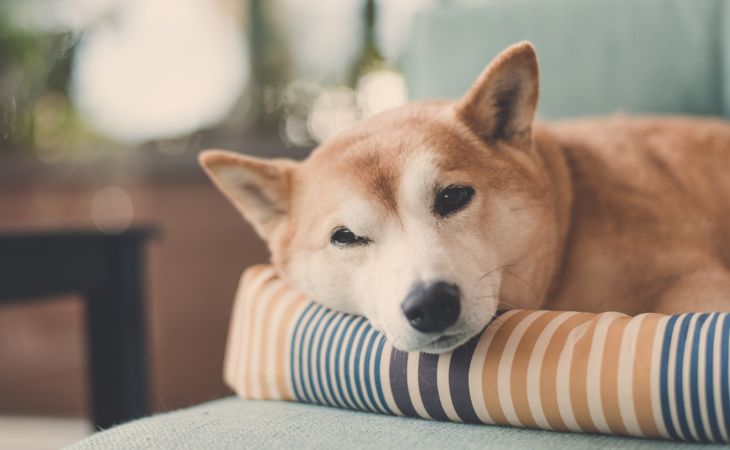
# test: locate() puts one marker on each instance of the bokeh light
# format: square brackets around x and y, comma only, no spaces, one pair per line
[111,210]
[159,69]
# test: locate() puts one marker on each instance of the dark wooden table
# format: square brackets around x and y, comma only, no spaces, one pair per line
[108,272]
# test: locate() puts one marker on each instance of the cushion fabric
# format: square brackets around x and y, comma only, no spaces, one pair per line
[651,375]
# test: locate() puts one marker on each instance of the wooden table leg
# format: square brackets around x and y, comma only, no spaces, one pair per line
[116,330]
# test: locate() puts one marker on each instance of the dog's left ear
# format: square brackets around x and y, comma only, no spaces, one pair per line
[260,189]
[500,105]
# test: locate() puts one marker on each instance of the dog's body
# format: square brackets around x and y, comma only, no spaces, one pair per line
[427,217]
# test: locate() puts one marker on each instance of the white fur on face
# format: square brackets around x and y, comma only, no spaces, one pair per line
[410,247]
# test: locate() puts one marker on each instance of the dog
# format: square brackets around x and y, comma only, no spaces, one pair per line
[430,217]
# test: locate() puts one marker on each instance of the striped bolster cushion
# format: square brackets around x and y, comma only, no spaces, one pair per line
[650,375]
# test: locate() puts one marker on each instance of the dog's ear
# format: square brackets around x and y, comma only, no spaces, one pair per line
[260,189]
[500,105]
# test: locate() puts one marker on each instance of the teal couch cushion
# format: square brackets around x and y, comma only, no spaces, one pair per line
[596,56]
[236,423]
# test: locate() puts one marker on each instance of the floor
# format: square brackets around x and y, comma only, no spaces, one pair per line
[40,433]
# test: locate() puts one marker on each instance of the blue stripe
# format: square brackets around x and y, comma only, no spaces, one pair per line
[304,376]
[346,372]
[428,386]
[663,378]
[398,373]
[294,347]
[356,367]
[328,352]
[679,380]
[378,381]
[338,375]
[318,360]
[694,378]
[724,377]
[368,364]
[312,366]
[710,378]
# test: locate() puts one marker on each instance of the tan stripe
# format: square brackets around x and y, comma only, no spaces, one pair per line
[254,299]
[282,346]
[239,326]
[491,363]
[263,341]
[642,375]
[578,378]
[609,375]
[520,366]
[548,378]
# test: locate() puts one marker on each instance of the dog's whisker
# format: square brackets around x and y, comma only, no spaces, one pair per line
[495,270]
[540,205]
[530,286]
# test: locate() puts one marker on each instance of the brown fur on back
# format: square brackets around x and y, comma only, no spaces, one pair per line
[650,199]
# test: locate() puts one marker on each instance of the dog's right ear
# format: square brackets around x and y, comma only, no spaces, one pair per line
[500,105]
[260,189]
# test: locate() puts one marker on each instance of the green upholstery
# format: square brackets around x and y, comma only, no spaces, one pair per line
[236,423]
[596,56]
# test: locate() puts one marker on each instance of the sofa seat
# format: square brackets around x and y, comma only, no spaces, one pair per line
[236,423]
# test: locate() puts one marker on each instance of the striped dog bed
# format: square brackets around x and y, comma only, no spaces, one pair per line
[650,375]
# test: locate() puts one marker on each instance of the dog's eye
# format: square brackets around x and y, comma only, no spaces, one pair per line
[452,199]
[342,236]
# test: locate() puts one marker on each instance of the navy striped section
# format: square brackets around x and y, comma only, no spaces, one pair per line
[335,361]
[399,382]
[691,402]
[459,381]
[428,386]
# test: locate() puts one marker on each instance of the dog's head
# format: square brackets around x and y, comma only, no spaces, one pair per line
[412,217]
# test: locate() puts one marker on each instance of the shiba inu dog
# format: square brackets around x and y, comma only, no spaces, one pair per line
[429,217]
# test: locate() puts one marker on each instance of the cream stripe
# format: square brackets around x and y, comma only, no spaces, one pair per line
[259,285]
[332,363]
[235,336]
[297,355]
[476,368]
[655,368]
[625,374]
[319,364]
[315,375]
[716,377]
[324,362]
[476,373]
[365,397]
[258,330]
[375,371]
[535,368]
[270,375]
[278,321]
[702,374]
[593,373]
[342,361]
[285,348]
[351,367]
[689,414]
[672,380]
[442,386]
[385,377]
[504,388]
[413,390]
[565,407]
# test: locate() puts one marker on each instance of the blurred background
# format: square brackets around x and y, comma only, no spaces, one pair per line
[105,104]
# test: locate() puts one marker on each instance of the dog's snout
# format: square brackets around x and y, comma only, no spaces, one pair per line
[432,307]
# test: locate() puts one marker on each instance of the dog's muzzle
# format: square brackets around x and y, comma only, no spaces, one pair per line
[432,307]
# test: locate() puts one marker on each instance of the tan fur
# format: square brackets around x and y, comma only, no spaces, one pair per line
[621,214]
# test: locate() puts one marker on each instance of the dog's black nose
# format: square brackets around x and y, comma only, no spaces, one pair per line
[432,307]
